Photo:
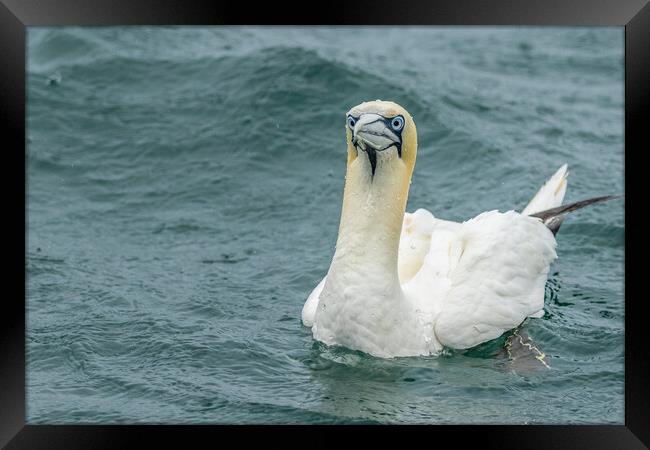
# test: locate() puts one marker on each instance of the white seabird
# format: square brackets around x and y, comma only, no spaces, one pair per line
[403,284]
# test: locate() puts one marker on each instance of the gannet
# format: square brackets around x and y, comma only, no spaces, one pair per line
[408,284]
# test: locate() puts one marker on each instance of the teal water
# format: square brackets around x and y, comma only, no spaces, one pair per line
[183,197]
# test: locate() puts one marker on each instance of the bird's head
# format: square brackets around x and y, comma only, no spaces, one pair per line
[381,129]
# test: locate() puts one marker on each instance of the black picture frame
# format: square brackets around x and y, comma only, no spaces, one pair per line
[16,15]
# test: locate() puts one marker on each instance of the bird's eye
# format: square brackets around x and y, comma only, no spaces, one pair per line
[351,122]
[397,123]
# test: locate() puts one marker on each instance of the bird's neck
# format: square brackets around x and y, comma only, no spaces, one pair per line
[371,219]
[362,305]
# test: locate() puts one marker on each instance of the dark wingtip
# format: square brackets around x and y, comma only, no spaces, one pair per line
[554,217]
[563,209]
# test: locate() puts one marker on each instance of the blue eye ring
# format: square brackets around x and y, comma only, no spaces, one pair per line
[397,123]
[351,121]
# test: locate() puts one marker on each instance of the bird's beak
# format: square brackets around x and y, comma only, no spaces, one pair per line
[373,130]
[372,134]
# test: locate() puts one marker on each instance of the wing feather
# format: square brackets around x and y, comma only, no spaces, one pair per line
[497,280]
[415,241]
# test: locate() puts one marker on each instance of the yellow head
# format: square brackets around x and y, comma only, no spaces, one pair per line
[381,127]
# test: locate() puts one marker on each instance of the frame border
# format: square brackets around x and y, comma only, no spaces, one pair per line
[16,15]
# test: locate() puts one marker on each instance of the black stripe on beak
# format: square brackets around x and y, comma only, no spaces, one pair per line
[372,156]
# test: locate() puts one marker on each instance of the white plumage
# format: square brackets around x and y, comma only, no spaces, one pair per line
[454,284]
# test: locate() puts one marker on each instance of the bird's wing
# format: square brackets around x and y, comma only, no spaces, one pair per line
[309,309]
[415,241]
[497,265]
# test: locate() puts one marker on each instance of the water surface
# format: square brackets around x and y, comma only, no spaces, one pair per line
[184,191]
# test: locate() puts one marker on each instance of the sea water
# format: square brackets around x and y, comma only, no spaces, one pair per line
[184,187]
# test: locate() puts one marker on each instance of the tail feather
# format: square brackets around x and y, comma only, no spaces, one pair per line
[553,217]
[550,194]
